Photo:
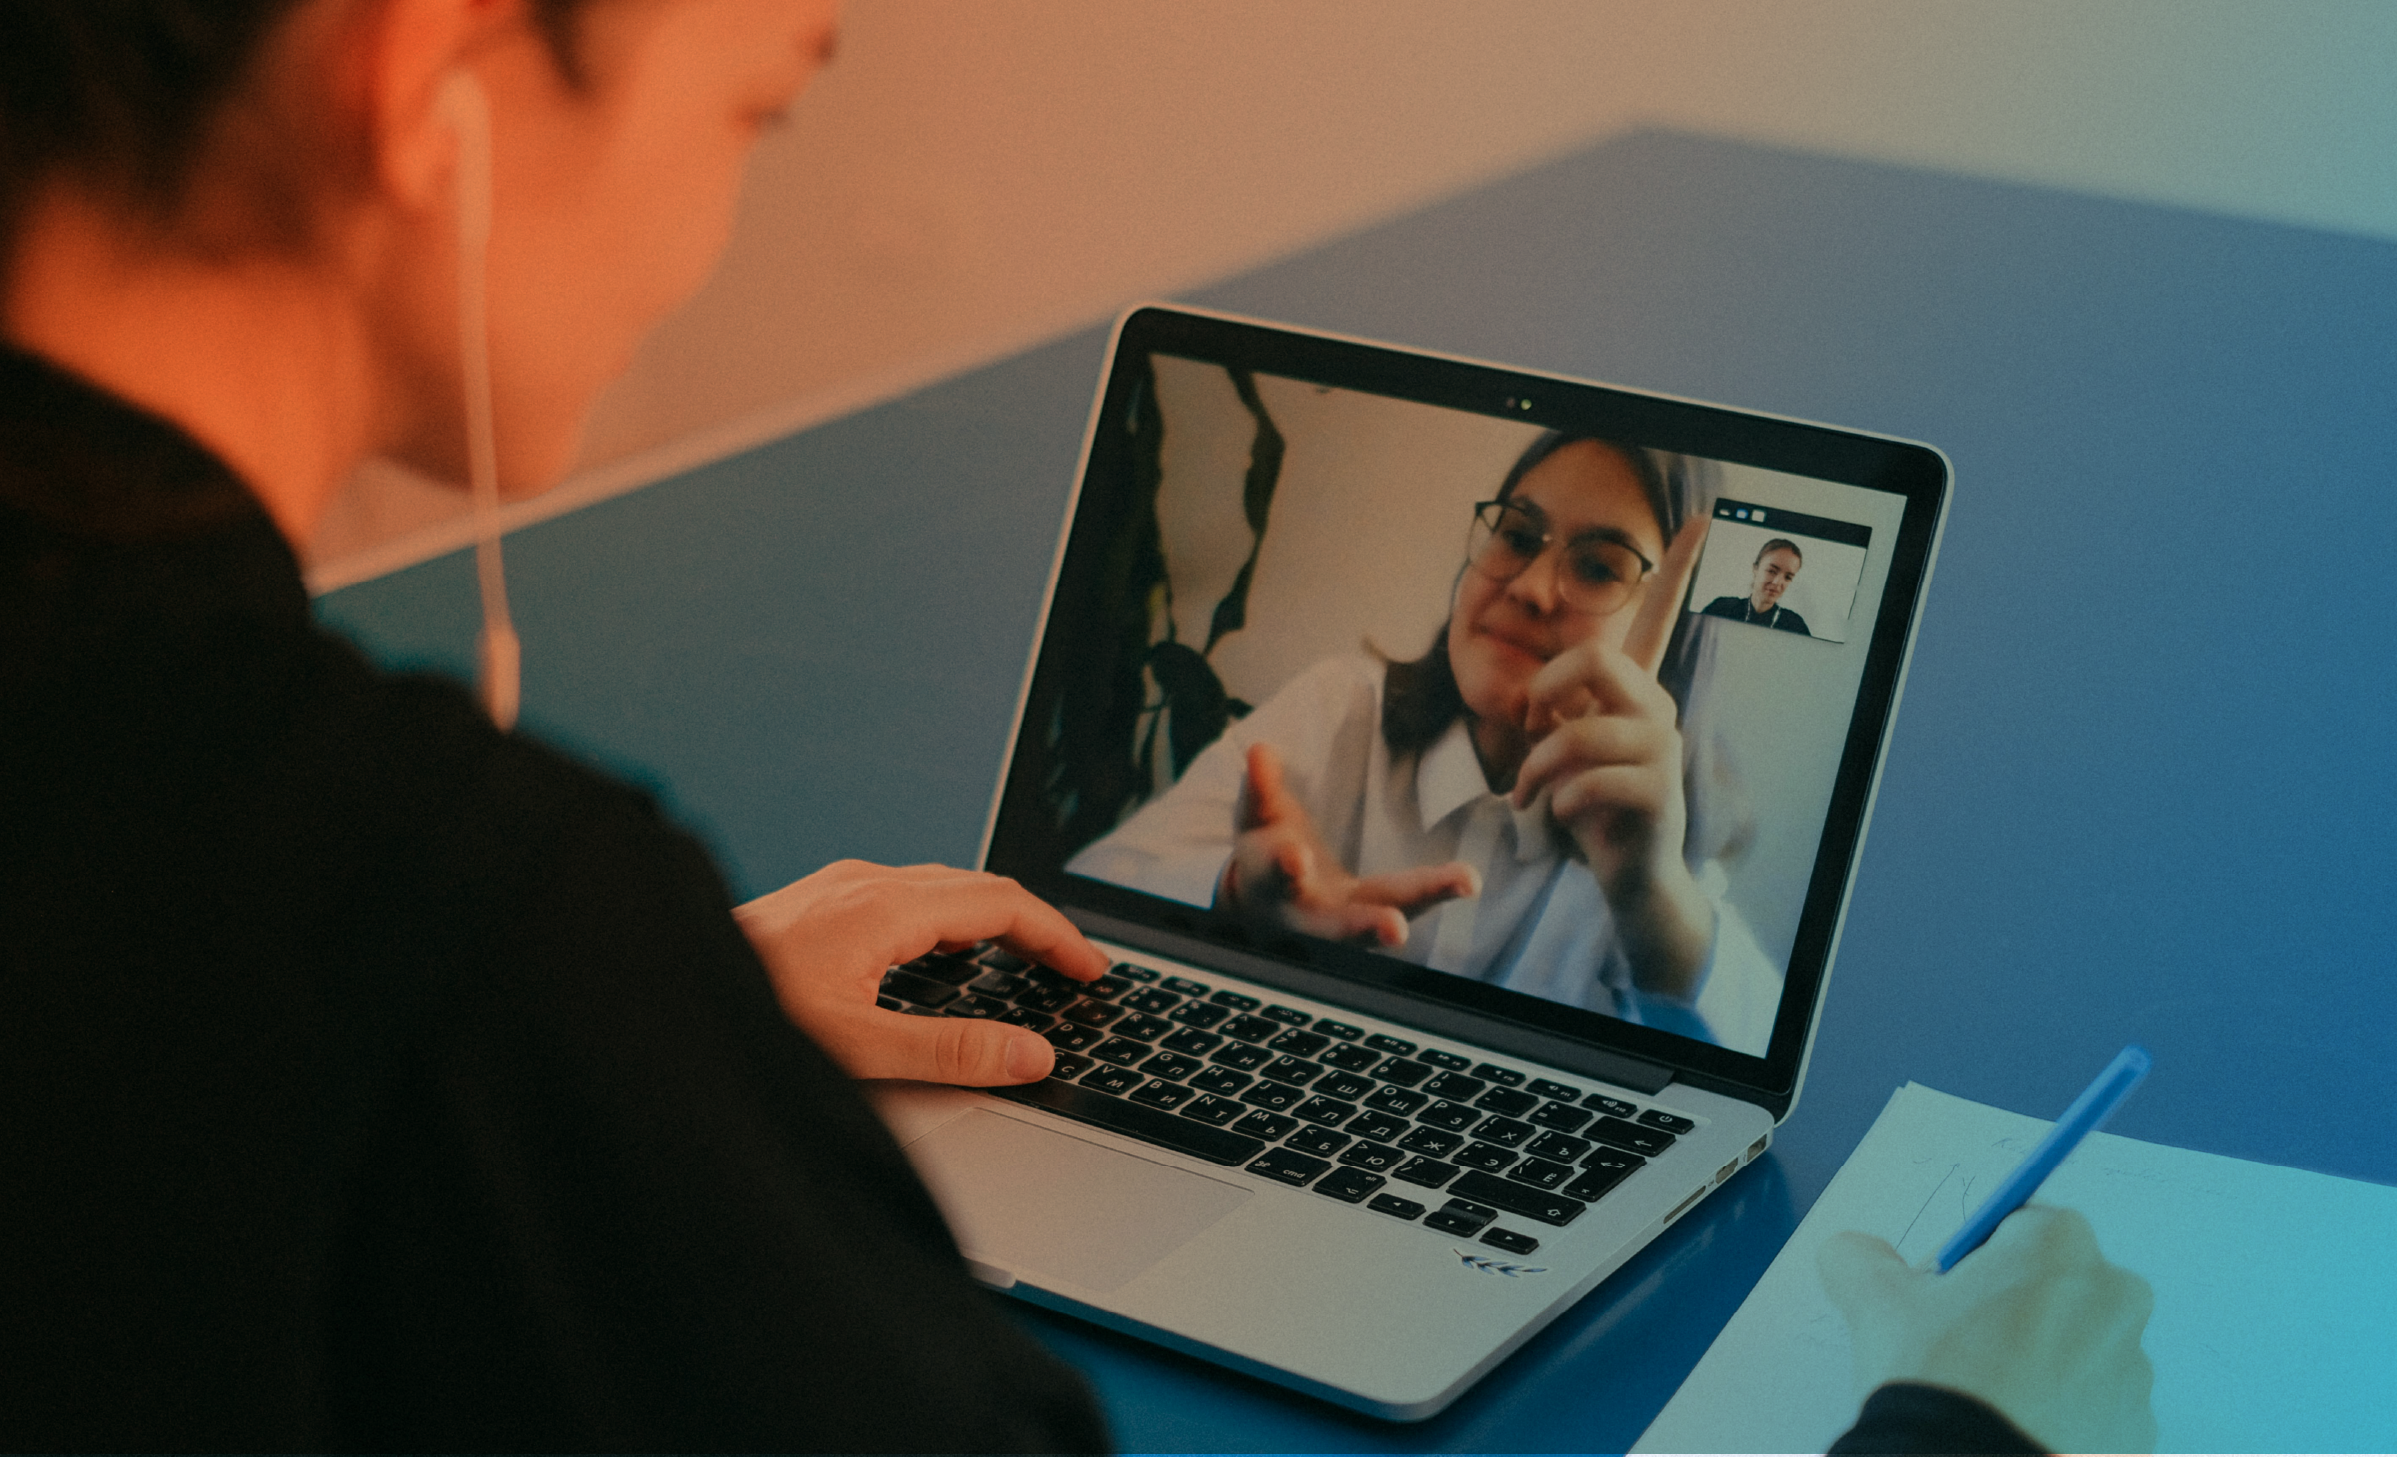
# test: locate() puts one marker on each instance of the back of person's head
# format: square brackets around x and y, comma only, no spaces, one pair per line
[125,97]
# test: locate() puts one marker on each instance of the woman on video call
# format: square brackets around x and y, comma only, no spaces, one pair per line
[1512,806]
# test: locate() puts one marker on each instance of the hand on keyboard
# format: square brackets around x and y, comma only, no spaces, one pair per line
[828,939]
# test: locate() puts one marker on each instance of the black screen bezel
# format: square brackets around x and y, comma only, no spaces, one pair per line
[1018,845]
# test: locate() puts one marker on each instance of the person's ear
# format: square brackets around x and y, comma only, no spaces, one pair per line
[415,51]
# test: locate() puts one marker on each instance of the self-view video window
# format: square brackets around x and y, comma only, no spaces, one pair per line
[1780,569]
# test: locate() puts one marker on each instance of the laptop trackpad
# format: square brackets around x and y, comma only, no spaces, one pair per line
[1033,1201]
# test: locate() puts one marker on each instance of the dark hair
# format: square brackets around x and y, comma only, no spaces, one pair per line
[1778,543]
[124,94]
[1420,698]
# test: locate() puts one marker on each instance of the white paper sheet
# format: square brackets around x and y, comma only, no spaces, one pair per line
[2275,1328]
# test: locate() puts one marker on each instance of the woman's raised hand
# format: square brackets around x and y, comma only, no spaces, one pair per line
[828,939]
[1606,751]
[1282,873]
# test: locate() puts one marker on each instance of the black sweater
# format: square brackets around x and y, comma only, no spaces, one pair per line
[370,1079]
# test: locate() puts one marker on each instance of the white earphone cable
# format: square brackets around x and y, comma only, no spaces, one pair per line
[497,648]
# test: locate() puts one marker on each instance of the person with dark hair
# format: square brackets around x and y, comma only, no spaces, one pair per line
[371,1078]
[1777,564]
[1512,806]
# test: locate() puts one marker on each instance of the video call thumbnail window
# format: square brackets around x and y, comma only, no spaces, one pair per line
[1777,568]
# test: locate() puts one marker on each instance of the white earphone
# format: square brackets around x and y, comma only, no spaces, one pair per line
[461,99]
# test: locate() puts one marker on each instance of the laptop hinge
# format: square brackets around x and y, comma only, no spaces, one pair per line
[1481,1029]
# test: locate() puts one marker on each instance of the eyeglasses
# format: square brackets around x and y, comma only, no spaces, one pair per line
[1599,571]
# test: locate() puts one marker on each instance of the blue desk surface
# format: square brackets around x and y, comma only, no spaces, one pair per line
[2143,786]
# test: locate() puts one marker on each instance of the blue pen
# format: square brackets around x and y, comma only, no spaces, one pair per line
[2093,1107]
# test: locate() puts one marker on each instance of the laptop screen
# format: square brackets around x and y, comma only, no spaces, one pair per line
[1397,665]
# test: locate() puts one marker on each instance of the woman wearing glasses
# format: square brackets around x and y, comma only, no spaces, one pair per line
[1512,806]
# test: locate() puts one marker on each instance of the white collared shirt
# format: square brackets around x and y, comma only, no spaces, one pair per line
[1540,925]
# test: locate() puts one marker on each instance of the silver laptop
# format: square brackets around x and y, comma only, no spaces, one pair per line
[1398,1063]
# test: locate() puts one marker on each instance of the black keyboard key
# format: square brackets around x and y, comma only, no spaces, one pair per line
[1244,1056]
[1293,1071]
[1073,1036]
[1403,1072]
[1287,1166]
[1380,1127]
[1394,1206]
[1513,1102]
[921,990]
[1330,1112]
[1484,1156]
[979,1007]
[1122,1051]
[1613,1160]
[1613,1107]
[1647,1142]
[1300,1044]
[1438,1142]
[1108,987]
[1379,1157]
[890,1004]
[1129,972]
[1156,1000]
[1197,1014]
[1559,1116]
[1539,1173]
[1349,1058]
[1093,1014]
[940,966]
[1028,1019]
[1401,1101]
[1047,999]
[1669,1122]
[1235,1000]
[1260,1124]
[1505,1132]
[1455,1117]
[1430,1173]
[1590,1185]
[1192,1042]
[1550,1088]
[1321,1142]
[1508,1240]
[1347,1087]
[1142,1026]
[1273,1097]
[1250,1029]
[1341,1030]
[1448,1060]
[1071,1065]
[1517,1198]
[1162,1094]
[1505,1077]
[1220,1080]
[1185,986]
[1456,1087]
[1461,1216]
[1350,1186]
[1561,1147]
[999,958]
[1000,984]
[1288,1016]
[1215,1112]
[1112,1079]
[1171,1066]
[1395,1046]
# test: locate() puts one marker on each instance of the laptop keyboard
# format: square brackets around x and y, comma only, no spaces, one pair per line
[1410,1131]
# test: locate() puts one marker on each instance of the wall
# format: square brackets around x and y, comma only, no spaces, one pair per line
[970,179]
